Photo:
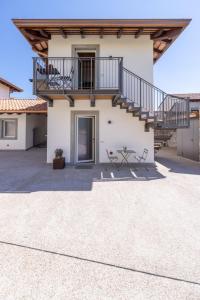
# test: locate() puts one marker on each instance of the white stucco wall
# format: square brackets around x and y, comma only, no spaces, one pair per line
[20,142]
[137,53]
[172,142]
[4,91]
[25,125]
[125,130]
[35,121]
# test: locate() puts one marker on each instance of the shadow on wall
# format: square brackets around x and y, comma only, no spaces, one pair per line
[26,172]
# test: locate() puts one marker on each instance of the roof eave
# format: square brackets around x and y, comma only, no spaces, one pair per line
[12,87]
[40,24]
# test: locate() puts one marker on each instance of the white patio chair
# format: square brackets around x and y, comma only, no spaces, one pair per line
[112,158]
[143,157]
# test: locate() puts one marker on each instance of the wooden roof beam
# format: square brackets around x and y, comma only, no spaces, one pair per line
[157,51]
[63,33]
[170,34]
[33,35]
[82,33]
[119,33]
[43,53]
[44,34]
[157,34]
[138,33]
[101,33]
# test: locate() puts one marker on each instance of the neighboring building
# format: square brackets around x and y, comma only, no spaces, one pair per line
[6,88]
[87,73]
[188,139]
[23,123]
[194,99]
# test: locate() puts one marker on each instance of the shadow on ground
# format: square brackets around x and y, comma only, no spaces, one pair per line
[177,166]
[24,172]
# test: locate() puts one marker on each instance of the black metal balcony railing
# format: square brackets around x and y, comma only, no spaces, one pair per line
[77,74]
[106,75]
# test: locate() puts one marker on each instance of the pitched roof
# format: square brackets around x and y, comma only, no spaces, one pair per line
[12,87]
[14,105]
[190,96]
[163,32]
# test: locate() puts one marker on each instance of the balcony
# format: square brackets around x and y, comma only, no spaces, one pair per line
[93,78]
[73,77]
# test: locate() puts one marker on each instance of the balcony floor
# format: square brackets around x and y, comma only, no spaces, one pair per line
[58,94]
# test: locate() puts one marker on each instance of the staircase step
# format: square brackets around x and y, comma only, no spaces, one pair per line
[121,100]
[151,119]
[124,105]
[147,127]
[144,116]
[132,108]
[136,111]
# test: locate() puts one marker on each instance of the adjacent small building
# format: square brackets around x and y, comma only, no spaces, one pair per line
[23,123]
[186,141]
[6,88]
[194,100]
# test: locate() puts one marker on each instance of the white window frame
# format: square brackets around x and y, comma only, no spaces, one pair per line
[3,129]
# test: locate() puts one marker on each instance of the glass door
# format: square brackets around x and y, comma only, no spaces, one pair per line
[85,139]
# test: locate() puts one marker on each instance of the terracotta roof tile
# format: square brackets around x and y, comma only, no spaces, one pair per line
[191,96]
[23,105]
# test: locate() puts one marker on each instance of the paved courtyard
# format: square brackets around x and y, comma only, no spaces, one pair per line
[99,233]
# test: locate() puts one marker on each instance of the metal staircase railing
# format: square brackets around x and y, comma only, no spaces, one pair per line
[166,110]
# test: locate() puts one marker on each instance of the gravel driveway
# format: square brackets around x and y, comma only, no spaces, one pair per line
[97,233]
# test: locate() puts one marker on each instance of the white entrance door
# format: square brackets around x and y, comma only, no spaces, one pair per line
[85,139]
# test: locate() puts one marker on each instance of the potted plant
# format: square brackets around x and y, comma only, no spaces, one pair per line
[59,160]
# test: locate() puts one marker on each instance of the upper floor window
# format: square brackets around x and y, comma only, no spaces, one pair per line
[8,128]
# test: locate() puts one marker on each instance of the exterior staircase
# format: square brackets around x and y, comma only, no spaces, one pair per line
[163,135]
[150,104]
[55,77]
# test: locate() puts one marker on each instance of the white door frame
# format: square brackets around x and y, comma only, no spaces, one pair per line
[93,117]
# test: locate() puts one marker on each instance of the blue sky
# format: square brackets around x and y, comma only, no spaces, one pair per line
[178,70]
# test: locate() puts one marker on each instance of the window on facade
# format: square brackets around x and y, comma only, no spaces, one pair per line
[8,129]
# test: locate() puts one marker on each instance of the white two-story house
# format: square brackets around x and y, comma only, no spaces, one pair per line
[97,76]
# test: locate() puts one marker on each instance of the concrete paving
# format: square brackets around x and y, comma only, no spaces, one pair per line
[99,233]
